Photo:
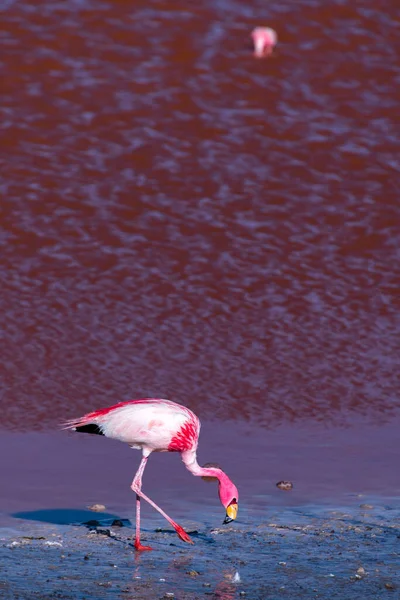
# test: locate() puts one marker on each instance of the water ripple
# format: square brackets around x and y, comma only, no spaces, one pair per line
[179,219]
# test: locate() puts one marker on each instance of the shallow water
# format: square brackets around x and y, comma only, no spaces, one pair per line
[62,473]
[181,220]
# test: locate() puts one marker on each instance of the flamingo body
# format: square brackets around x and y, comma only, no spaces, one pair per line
[264,39]
[149,425]
[157,425]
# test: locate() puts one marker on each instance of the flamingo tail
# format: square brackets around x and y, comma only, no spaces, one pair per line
[83,425]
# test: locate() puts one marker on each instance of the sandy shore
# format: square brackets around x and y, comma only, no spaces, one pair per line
[307,552]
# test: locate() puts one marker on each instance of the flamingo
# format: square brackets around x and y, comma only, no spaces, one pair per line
[264,39]
[157,425]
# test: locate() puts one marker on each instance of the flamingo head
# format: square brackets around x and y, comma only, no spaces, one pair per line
[227,491]
[228,495]
[264,40]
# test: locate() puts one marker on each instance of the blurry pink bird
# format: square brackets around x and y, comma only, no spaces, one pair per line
[153,425]
[264,40]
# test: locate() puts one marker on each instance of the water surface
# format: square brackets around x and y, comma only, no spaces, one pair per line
[181,220]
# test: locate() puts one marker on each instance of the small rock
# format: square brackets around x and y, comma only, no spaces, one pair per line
[366,506]
[169,595]
[92,523]
[162,579]
[242,593]
[106,532]
[282,563]
[285,485]
[97,507]
[361,571]
[117,523]
[389,586]
[192,573]
[53,544]
[206,584]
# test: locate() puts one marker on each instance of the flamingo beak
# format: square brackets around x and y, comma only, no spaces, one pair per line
[231,513]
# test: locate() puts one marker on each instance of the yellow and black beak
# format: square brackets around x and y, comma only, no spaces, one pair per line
[231,513]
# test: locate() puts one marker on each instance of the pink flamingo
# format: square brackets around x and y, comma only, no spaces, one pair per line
[153,425]
[264,39]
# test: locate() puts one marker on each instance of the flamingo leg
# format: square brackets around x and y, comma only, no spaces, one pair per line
[137,488]
[137,483]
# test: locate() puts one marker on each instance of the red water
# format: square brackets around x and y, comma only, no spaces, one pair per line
[181,220]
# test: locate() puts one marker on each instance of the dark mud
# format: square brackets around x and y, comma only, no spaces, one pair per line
[297,553]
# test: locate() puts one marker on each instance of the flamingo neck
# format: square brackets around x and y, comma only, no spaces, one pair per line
[190,461]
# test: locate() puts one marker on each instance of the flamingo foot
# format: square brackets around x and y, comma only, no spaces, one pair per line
[183,535]
[140,548]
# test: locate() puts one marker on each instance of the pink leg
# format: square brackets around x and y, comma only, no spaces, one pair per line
[138,482]
[138,545]
[137,488]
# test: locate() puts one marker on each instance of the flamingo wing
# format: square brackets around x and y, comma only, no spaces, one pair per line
[155,424]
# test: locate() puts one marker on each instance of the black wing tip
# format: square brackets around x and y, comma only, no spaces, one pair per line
[89,428]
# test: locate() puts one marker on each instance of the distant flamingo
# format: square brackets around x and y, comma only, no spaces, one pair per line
[264,39]
[153,425]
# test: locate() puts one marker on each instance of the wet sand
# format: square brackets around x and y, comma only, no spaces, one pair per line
[295,553]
